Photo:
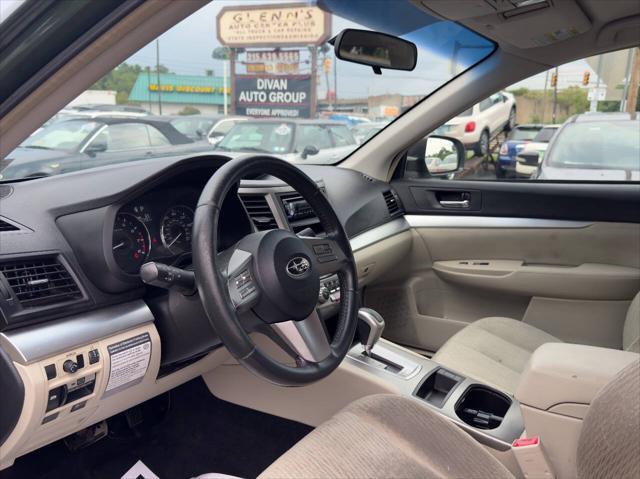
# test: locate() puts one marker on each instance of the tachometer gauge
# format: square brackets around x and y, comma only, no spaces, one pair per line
[175,229]
[131,242]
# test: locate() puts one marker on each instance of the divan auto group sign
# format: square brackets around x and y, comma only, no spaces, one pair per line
[273,25]
[273,96]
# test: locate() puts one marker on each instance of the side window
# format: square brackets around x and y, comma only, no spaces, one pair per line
[485,104]
[577,122]
[341,135]
[126,136]
[312,135]
[156,137]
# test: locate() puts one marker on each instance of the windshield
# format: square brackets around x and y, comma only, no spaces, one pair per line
[613,145]
[261,137]
[545,135]
[193,127]
[268,60]
[67,135]
[524,133]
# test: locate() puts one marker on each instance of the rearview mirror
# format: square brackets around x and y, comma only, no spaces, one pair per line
[378,50]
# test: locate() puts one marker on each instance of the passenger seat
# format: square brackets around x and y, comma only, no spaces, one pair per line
[496,350]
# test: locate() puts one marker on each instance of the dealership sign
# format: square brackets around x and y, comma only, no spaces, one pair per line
[269,25]
[273,96]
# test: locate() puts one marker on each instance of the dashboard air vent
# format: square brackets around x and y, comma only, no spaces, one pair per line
[6,226]
[40,281]
[392,202]
[259,212]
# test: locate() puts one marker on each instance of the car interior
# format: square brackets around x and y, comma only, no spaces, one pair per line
[219,315]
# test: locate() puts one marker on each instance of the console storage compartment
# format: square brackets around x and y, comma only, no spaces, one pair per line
[438,386]
[482,407]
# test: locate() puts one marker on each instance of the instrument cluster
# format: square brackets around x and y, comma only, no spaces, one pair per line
[155,227]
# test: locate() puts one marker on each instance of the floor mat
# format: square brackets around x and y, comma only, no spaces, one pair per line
[200,434]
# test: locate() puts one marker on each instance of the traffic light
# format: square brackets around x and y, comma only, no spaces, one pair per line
[554,79]
[327,65]
[585,78]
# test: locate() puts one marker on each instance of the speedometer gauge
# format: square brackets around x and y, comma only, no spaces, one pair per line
[131,242]
[175,229]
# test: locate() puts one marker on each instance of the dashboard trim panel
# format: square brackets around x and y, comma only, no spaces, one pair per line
[379,233]
[33,343]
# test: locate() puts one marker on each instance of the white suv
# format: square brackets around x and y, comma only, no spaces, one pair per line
[475,126]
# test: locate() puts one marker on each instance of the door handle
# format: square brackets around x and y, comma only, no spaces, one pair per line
[455,204]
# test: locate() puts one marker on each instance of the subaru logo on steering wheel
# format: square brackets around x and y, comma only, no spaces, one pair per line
[298,266]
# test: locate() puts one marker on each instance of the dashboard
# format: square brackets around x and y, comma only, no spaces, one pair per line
[71,293]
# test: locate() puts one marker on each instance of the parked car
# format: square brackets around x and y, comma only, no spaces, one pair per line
[363,131]
[350,120]
[595,147]
[196,127]
[517,139]
[476,126]
[292,140]
[74,144]
[537,146]
[222,127]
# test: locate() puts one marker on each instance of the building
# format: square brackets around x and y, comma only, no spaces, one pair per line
[175,92]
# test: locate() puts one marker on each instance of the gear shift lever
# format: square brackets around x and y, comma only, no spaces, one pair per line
[370,327]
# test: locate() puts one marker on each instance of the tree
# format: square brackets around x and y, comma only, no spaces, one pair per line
[122,78]
[189,110]
[573,99]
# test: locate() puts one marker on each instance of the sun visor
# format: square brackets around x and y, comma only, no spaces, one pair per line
[521,23]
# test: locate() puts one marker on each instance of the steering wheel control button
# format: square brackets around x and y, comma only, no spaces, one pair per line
[50,370]
[327,258]
[322,249]
[70,366]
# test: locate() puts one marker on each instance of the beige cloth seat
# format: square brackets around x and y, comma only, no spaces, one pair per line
[388,436]
[496,350]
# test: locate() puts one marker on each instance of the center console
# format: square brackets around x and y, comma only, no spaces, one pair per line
[489,415]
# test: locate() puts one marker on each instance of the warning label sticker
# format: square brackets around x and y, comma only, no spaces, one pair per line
[129,362]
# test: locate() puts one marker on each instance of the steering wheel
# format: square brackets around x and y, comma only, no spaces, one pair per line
[275,275]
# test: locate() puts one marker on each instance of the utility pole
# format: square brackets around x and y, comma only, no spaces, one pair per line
[555,97]
[149,87]
[225,67]
[314,81]
[594,101]
[627,74]
[544,95]
[232,76]
[158,76]
[634,83]
[335,83]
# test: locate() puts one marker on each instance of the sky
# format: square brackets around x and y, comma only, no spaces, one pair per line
[187,48]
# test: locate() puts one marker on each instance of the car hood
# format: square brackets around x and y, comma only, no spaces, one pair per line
[588,174]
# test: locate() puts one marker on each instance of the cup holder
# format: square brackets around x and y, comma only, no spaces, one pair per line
[482,407]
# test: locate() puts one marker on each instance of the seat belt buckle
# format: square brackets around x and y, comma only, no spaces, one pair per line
[531,458]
